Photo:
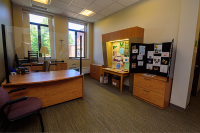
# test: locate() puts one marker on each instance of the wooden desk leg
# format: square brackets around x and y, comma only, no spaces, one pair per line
[121,83]
[103,77]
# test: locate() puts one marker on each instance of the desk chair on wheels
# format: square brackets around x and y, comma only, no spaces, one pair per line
[14,110]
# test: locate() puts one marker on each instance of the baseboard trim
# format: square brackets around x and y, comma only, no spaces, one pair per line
[177,107]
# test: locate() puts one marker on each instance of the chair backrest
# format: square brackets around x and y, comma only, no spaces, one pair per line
[4,97]
[33,56]
[46,66]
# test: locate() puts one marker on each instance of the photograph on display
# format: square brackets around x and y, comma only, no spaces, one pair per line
[156,68]
[150,61]
[133,65]
[164,61]
[134,57]
[156,61]
[165,54]
[142,50]
[134,47]
[158,48]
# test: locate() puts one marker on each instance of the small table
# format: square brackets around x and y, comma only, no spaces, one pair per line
[115,72]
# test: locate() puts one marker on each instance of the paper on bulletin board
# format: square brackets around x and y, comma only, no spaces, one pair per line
[149,66]
[140,63]
[118,54]
[158,48]
[140,57]
[126,59]
[163,68]
[165,54]
[121,50]
[150,54]
[156,61]
[142,50]
[126,66]
[135,51]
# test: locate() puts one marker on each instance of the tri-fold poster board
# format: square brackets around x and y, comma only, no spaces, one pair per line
[151,58]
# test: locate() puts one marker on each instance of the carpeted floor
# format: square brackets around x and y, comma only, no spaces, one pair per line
[105,109]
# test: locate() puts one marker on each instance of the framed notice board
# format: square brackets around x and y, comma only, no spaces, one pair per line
[152,58]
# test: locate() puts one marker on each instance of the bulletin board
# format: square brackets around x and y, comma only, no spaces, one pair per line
[152,58]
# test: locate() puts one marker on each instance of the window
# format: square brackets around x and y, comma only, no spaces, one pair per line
[39,31]
[75,32]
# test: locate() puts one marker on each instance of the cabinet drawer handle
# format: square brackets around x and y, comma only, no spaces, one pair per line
[146,90]
[147,79]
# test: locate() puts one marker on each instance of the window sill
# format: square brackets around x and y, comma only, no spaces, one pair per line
[78,59]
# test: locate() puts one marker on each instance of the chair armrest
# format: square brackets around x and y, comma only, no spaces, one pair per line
[16,100]
[19,89]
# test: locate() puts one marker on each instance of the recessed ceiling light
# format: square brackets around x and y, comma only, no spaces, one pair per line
[87,13]
[42,1]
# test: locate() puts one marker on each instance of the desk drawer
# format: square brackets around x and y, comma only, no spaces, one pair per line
[36,68]
[95,75]
[157,86]
[149,95]
[53,68]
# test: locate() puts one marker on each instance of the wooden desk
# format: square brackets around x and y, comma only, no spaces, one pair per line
[51,87]
[53,66]
[115,72]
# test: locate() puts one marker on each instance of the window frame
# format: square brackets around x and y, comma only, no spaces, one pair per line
[76,39]
[39,35]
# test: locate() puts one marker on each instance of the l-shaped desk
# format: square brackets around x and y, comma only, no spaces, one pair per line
[51,87]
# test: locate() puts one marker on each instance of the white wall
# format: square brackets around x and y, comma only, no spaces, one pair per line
[159,18]
[184,69]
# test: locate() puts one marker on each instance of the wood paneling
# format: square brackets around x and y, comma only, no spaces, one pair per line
[156,90]
[124,34]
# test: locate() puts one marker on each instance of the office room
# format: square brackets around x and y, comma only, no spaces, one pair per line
[99,65]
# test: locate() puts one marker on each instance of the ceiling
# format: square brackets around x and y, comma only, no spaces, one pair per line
[72,8]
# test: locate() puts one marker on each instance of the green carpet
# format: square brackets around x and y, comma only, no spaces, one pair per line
[105,109]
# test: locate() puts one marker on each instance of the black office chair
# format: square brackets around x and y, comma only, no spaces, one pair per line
[14,110]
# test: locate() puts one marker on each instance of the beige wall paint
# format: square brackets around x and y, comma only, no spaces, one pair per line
[60,32]
[159,18]
[185,56]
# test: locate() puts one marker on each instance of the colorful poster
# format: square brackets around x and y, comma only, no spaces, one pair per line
[121,50]
[133,65]
[127,45]
[149,66]
[156,61]
[126,52]
[142,50]
[121,44]
[158,48]
[134,57]
[134,47]
[163,68]
[126,59]
[134,50]
[165,54]
[150,54]
[126,66]
[140,63]
[140,57]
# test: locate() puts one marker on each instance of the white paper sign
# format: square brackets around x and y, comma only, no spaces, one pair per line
[126,59]
[142,50]
[140,57]
[118,54]
[150,54]
[140,63]
[156,61]
[135,51]
[149,66]
[165,54]
[163,68]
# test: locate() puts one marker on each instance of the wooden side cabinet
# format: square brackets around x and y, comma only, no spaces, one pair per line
[95,71]
[154,90]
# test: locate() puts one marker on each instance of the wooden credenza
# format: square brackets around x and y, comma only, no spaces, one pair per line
[95,71]
[154,90]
